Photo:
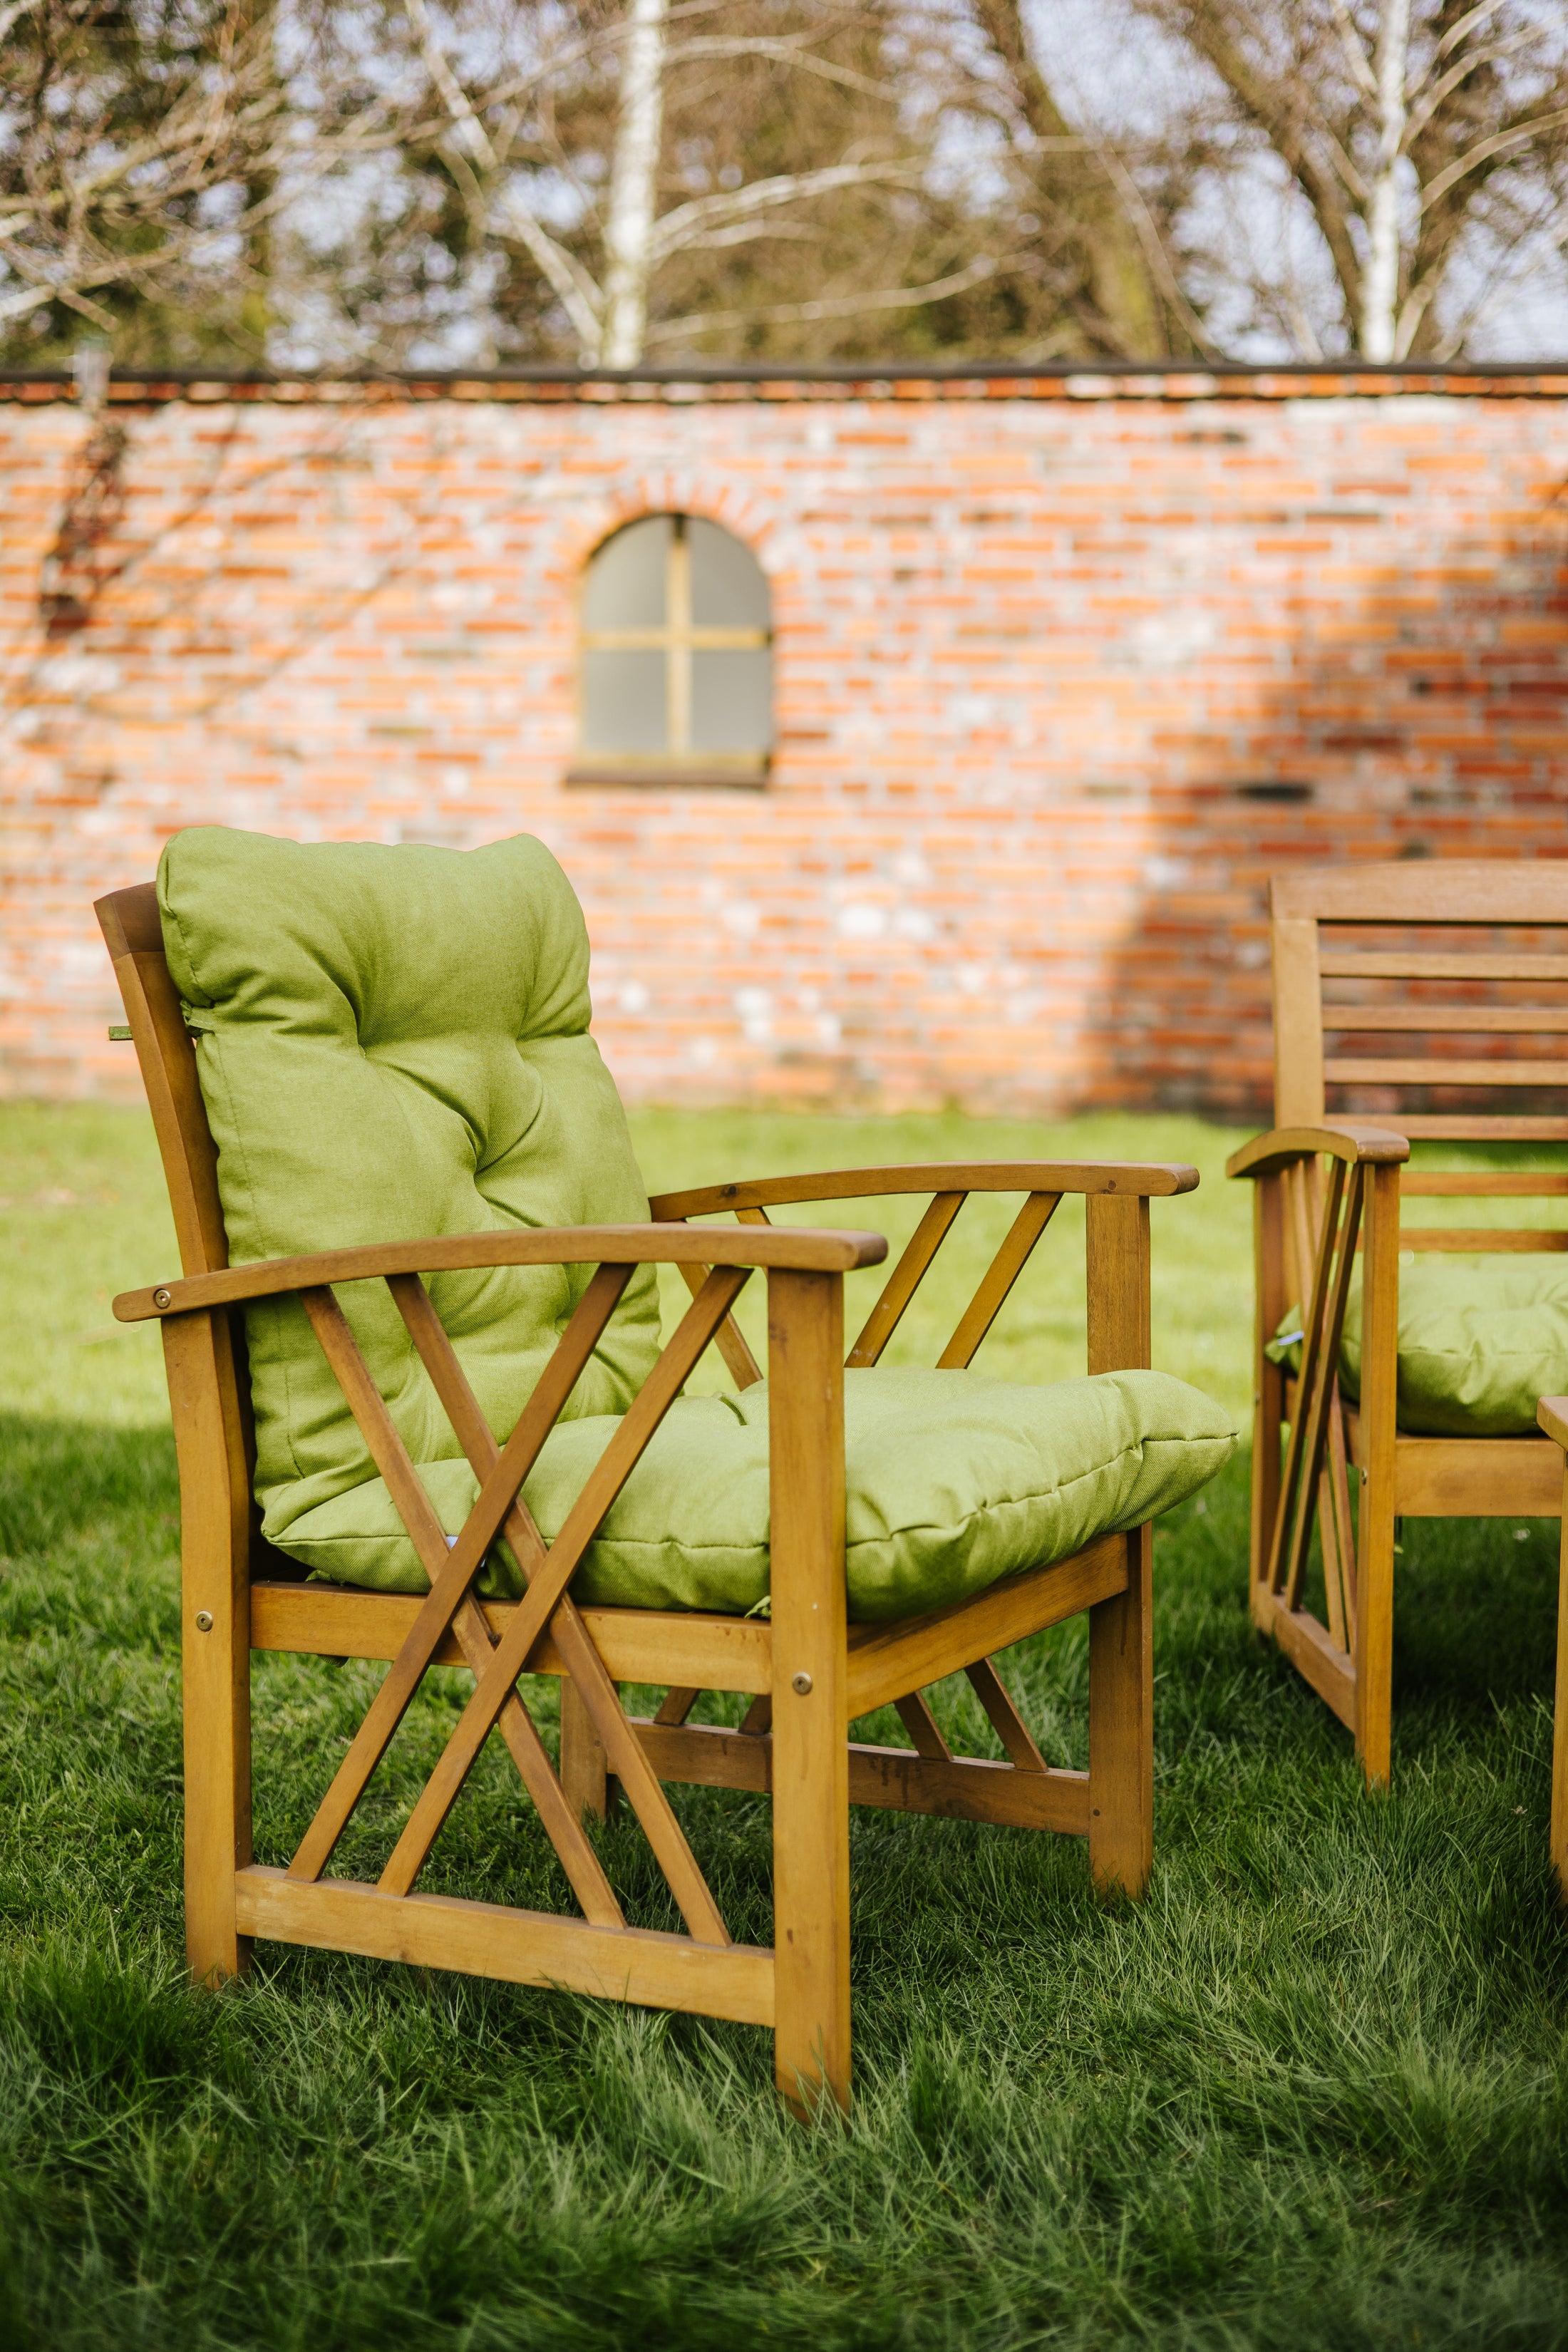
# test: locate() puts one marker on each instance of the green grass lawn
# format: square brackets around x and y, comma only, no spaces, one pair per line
[1313,2091]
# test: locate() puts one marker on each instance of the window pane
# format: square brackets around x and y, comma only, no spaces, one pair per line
[728,588]
[625,578]
[623,701]
[731,701]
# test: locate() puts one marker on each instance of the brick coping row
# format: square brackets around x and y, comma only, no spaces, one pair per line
[1124,380]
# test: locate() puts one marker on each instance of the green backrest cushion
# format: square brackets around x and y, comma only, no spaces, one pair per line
[952,1480]
[394,1044]
[1480,1343]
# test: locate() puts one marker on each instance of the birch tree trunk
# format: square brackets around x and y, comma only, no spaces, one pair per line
[1380,281]
[628,233]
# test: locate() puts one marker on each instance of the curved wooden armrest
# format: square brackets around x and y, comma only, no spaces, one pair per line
[1133,1178]
[1552,1412]
[1358,1146]
[804,1249]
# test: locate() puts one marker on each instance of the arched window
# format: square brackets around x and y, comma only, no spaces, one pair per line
[676,659]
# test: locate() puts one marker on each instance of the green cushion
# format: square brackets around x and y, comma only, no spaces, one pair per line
[1479,1345]
[393,1042]
[952,1481]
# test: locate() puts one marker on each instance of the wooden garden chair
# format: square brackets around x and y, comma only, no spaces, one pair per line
[807,1672]
[1377,957]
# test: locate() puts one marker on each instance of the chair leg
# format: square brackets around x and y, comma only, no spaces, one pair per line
[811,1910]
[1379,1406]
[215,1632]
[1375,1632]
[1560,1721]
[584,1765]
[1267,1389]
[810,1696]
[1121,1729]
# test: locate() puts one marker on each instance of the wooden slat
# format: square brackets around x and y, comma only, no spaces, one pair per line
[1157,1179]
[1350,963]
[1477,1477]
[1297,1024]
[452,1578]
[1338,1529]
[905,1280]
[609,1475]
[1121,1628]
[956,1788]
[1116,1262]
[213,1662]
[1505,1020]
[1282,1545]
[486,1940]
[1379,1497]
[1437,890]
[1439,1070]
[921,1724]
[595,1739]
[165,1051]
[997,1280]
[1479,1184]
[806,1498]
[815,1248]
[557,1806]
[678,1704]
[1452,1126]
[1270,1297]
[730,1340]
[1310,1647]
[1005,1720]
[1518,1241]
[886,1661]
[1351,1138]
[590,1792]
[638,1645]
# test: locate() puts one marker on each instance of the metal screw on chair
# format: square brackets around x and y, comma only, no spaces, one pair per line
[204,1621]
[800,1684]
[160,1298]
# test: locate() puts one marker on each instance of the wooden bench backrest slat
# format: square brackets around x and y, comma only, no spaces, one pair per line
[131,931]
[1488,1020]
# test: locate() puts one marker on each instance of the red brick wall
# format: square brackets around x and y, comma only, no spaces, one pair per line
[1035,642]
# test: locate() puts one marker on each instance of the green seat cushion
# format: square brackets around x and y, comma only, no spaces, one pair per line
[1479,1345]
[394,1044]
[953,1481]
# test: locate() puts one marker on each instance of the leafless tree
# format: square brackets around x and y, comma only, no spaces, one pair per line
[1429,140]
[145,156]
[1099,263]
[627,226]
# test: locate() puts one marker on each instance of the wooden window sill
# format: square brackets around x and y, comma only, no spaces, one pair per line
[668,775]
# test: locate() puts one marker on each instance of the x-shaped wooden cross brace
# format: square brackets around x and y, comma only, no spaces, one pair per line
[1316,1415]
[547,1571]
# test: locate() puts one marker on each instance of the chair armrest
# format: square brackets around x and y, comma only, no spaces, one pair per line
[1132,1178]
[1552,1412]
[802,1249]
[1360,1146]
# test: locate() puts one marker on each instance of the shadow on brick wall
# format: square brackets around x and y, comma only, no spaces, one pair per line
[1432,724]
